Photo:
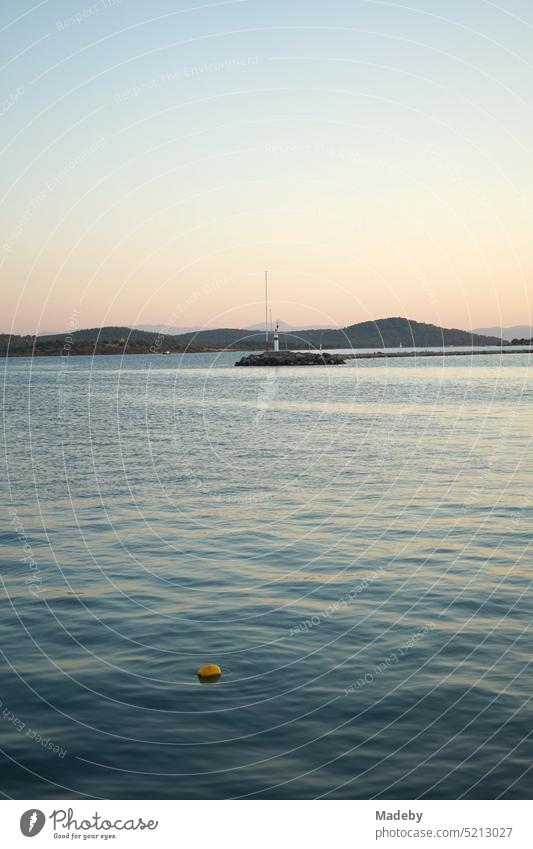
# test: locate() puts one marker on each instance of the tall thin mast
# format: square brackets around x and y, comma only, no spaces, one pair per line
[266,310]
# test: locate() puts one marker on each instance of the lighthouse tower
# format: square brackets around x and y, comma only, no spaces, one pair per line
[276,337]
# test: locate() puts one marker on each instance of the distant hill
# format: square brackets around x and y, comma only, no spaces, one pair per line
[286,328]
[518,331]
[162,328]
[261,326]
[393,332]
[383,333]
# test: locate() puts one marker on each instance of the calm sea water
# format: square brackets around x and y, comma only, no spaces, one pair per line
[352,545]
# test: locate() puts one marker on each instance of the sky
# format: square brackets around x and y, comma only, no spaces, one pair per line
[157,157]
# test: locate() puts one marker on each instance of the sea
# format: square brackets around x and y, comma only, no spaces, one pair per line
[351,544]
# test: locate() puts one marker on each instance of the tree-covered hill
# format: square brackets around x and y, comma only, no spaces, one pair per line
[383,333]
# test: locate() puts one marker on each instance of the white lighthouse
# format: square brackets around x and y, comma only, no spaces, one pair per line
[276,337]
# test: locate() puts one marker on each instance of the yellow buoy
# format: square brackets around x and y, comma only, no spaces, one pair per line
[210,671]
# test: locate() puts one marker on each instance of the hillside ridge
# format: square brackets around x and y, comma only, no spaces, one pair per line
[393,332]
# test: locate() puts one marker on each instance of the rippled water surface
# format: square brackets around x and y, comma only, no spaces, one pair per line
[350,544]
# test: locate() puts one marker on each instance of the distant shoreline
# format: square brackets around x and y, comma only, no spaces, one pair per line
[382,333]
[359,355]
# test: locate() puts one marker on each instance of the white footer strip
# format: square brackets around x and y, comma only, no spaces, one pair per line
[267,824]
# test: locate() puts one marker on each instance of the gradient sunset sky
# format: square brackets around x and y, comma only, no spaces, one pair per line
[376,157]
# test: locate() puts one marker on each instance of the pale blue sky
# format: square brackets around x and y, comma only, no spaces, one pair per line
[158,156]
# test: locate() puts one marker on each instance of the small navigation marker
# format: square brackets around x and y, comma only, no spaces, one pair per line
[276,337]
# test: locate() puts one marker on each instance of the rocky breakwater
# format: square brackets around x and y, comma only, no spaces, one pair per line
[292,358]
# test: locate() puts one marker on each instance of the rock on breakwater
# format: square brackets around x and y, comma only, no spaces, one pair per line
[292,358]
